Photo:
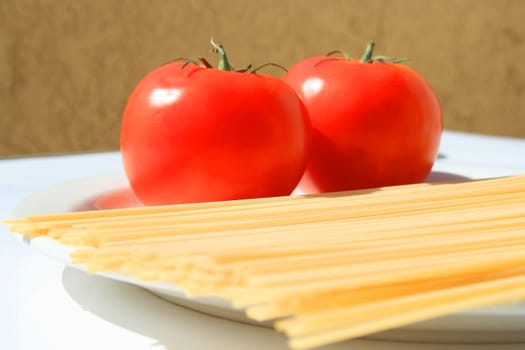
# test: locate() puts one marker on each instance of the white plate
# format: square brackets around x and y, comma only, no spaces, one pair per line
[498,324]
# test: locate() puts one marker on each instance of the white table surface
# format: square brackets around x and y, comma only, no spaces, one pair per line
[44,305]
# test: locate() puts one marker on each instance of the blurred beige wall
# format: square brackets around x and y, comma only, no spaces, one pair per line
[66,67]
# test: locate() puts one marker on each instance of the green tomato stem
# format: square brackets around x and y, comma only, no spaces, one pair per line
[224,63]
[367,56]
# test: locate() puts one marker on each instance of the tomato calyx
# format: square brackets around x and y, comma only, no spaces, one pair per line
[223,63]
[368,56]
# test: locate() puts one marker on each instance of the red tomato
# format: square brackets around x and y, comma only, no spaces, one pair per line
[192,134]
[374,123]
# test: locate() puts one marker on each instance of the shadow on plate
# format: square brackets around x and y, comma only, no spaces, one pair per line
[171,326]
[174,327]
[125,198]
[440,176]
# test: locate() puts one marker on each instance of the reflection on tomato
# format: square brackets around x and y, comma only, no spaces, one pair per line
[375,123]
[117,199]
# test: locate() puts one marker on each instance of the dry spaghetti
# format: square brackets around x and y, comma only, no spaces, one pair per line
[326,267]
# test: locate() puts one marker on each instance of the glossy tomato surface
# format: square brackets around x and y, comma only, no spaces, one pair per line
[374,124]
[197,134]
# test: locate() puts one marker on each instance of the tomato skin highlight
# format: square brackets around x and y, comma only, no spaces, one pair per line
[197,134]
[373,124]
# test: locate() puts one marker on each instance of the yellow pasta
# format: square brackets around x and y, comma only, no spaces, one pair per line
[324,267]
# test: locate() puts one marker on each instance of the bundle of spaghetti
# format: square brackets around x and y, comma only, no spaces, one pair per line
[324,267]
